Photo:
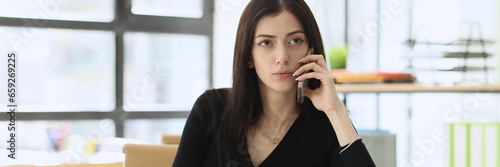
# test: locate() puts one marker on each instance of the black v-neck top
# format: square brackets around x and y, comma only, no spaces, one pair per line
[310,141]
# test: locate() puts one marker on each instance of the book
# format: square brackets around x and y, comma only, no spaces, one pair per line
[472,144]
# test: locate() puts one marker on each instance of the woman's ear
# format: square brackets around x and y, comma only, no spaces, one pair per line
[250,63]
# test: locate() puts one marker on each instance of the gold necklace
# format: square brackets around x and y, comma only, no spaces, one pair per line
[271,140]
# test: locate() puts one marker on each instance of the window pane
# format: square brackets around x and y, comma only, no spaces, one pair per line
[88,10]
[44,143]
[362,45]
[164,71]
[151,130]
[175,8]
[61,70]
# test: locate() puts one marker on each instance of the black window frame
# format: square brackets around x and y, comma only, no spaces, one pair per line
[124,21]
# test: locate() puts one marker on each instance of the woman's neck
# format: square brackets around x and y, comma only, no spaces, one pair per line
[280,109]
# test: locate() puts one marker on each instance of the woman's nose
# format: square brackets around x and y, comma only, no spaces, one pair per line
[282,56]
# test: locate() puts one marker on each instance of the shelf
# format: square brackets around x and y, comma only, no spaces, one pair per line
[463,68]
[454,69]
[456,42]
[435,54]
[410,87]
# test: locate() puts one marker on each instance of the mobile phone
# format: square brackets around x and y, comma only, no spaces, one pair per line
[307,83]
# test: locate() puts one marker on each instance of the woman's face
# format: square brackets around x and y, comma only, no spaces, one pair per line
[279,43]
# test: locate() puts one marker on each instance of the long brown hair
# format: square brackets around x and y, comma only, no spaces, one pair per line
[244,105]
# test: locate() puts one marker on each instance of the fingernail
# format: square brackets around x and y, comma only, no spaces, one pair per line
[300,61]
[296,79]
[293,74]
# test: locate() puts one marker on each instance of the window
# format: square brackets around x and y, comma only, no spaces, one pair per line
[88,10]
[163,72]
[175,8]
[151,130]
[77,68]
[62,69]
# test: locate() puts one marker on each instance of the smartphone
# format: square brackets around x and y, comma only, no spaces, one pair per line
[307,83]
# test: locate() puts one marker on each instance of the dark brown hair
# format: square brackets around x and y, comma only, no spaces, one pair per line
[244,105]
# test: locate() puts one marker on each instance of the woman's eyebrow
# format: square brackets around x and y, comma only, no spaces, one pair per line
[274,36]
[265,35]
[295,32]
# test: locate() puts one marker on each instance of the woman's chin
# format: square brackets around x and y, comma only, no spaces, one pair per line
[280,86]
[285,87]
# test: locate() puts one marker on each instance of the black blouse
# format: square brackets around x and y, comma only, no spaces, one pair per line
[310,141]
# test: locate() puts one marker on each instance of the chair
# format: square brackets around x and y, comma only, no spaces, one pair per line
[170,139]
[140,155]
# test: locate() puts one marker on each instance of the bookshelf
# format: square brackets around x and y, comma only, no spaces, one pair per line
[411,88]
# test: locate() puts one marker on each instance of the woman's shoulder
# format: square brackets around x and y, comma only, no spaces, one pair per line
[211,102]
[212,97]
[206,112]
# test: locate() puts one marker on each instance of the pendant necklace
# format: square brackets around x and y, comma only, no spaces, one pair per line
[271,140]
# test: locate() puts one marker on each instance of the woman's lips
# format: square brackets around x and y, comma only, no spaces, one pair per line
[283,74]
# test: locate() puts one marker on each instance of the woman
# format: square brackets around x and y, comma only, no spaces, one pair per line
[258,121]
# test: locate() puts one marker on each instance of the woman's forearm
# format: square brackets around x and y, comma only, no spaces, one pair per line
[342,124]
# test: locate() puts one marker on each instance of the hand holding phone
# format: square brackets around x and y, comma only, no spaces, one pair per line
[307,83]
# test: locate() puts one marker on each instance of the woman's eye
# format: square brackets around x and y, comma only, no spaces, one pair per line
[295,41]
[265,43]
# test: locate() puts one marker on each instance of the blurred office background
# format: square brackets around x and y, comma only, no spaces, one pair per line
[94,72]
